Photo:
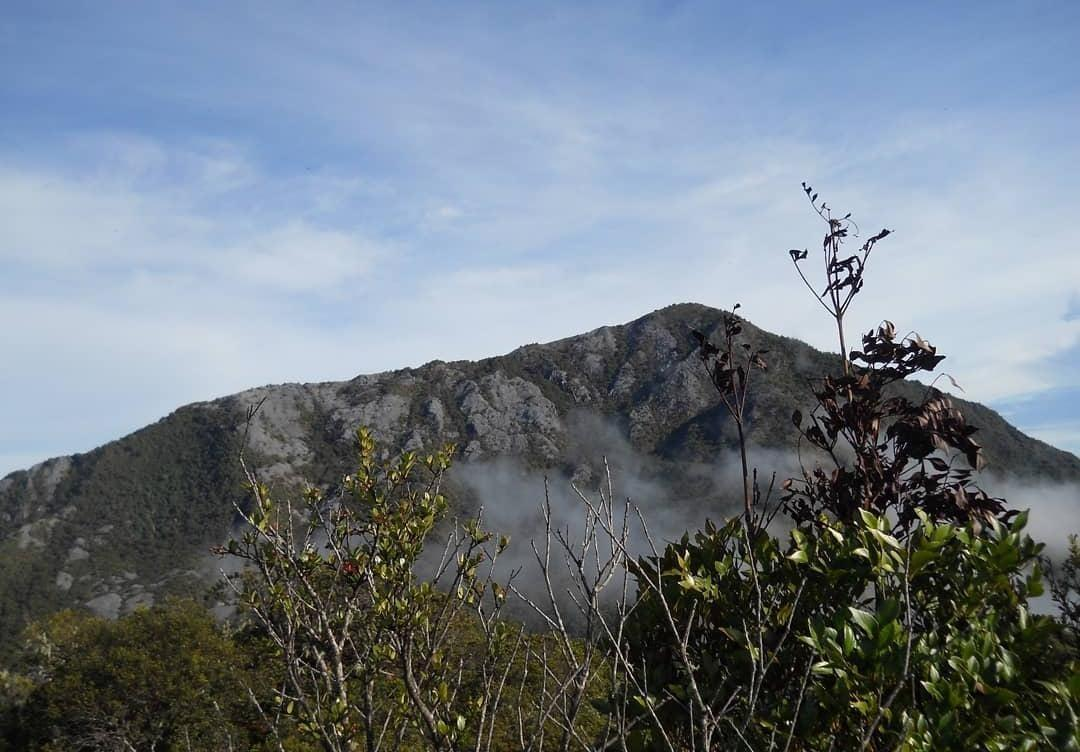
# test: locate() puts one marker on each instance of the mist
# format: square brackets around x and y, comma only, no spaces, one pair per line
[673,496]
[676,497]
[1055,507]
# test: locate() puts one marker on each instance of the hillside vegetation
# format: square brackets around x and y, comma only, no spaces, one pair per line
[133,520]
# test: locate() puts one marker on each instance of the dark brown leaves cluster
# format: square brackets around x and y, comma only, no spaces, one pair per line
[843,274]
[730,364]
[729,367]
[889,454]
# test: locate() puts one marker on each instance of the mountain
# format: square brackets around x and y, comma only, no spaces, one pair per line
[134,519]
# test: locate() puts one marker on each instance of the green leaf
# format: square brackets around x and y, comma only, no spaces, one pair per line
[869,519]
[921,558]
[887,539]
[1020,521]
[1074,686]
[849,639]
[890,609]
[735,635]
[864,619]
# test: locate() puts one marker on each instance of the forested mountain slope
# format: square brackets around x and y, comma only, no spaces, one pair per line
[134,519]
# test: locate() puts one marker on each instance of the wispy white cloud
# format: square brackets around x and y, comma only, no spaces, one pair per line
[376,190]
[141,209]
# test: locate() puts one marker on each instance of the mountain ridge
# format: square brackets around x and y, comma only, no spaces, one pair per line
[125,523]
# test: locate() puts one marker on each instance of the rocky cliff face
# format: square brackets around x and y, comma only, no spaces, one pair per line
[121,525]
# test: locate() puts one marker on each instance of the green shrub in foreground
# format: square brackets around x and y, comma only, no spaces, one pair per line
[848,638]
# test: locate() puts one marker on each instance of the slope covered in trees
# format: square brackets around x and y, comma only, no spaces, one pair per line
[133,520]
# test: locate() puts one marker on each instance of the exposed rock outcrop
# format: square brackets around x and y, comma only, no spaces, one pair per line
[153,502]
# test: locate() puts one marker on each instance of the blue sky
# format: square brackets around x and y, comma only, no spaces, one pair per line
[202,197]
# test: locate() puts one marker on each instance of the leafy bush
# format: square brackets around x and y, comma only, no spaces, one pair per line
[372,654]
[165,678]
[895,615]
[846,638]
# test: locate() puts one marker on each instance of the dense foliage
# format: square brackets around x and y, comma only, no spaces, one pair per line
[372,654]
[846,638]
[149,505]
[166,678]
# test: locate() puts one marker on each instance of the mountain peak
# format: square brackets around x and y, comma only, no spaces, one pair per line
[132,520]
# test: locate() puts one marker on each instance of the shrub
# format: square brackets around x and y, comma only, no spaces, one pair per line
[164,678]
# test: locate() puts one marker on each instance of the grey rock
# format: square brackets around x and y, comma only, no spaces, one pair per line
[35,534]
[77,552]
[384,415]
[277,429]
[46,476]
[435,412]
[106,606]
